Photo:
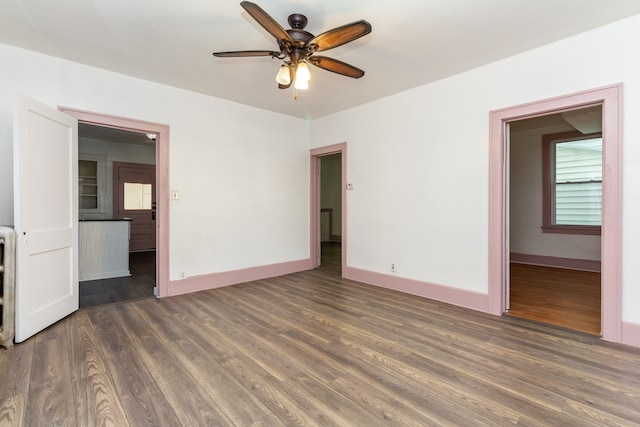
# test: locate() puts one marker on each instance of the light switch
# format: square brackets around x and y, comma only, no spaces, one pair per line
[175,195]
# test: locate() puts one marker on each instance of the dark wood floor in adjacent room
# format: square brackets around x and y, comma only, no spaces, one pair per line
[561,297]
[312,349]
[139,285]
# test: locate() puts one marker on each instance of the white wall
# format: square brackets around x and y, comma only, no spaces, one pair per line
[108,152]
[421,175]
[244,188]
[525,211]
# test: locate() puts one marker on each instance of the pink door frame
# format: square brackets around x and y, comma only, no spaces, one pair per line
[314,240]
[162,171]
[610,98]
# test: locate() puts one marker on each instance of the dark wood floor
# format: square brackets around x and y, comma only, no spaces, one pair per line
[139,285]
[331,257]
[567,298]
[312,349]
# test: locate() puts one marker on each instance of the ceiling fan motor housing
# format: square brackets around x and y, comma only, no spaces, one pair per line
[299,36]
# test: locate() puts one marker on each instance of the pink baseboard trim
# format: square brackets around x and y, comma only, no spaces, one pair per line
[459,297]
[631,334]
[226,278]
[551,261]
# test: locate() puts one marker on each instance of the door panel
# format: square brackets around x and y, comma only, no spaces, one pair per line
[46,216]
[143,219]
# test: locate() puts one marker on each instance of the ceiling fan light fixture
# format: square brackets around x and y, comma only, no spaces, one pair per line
[302,72]
[301,84]
[283,76]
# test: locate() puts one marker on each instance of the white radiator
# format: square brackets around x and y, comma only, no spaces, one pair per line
[7,286]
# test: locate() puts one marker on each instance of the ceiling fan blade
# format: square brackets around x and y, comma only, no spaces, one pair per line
[245,53]
[267,22]
[336,66]
[341,35]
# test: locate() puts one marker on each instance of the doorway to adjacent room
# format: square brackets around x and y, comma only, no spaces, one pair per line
[328,207]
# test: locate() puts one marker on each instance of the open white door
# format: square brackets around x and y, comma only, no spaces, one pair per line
[46,216]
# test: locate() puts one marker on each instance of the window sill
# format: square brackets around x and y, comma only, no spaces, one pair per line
[573,229]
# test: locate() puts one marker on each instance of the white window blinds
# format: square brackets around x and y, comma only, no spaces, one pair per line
[578,182]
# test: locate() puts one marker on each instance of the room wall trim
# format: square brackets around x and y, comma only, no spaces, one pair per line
[467,299]
[610,97]
[631,334]
[234,277]
[553,261]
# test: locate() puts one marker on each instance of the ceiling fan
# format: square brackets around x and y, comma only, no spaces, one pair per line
[298,47]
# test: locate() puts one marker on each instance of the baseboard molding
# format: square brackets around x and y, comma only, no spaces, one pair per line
[559,262]
[631,334]
[226,278]
[459,297]
[106,275]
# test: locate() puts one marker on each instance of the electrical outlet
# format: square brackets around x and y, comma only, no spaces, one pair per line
[182,274]
[393,267]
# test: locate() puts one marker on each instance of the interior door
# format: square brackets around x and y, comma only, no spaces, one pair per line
[45,215]
[135,197]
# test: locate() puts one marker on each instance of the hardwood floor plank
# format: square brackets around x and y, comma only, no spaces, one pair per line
[50,396]
[13,410]
[95,395]
[247,340]
[170,374]
[595,416]
[268,421]
[15,370]
[229,396]
[270,391]
[143,401]
[327,407]
[307,357]
[387,410]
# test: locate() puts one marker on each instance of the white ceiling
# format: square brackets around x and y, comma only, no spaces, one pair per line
[413,42]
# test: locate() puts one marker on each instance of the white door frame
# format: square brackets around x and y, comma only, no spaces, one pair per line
[162,176]
[610,97]
[316,153]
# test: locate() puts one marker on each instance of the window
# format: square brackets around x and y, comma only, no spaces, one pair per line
[137,196]
[572,187]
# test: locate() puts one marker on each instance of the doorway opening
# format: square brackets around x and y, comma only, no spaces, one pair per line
[152,264]
[331,212]
[554,178]
[115,194]
[328,208]
[611,229]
